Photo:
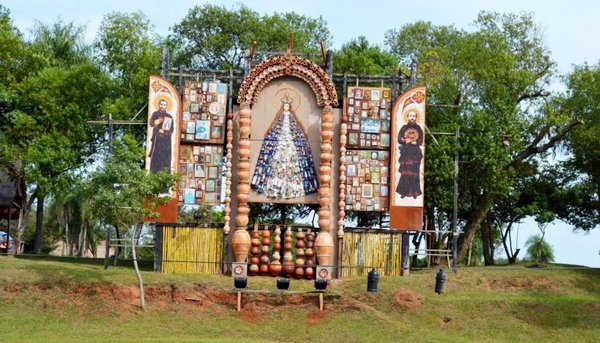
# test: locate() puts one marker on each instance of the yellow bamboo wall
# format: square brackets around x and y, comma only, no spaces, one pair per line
[365,250]
[192,250]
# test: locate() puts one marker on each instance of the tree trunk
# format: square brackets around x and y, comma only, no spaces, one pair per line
[473,223]
[137,269]
[487,238]
[39,223]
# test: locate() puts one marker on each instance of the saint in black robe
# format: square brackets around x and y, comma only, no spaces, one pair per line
[410,140]
[160,151]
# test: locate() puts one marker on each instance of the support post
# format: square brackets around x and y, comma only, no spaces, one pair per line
[239,301]
[455,207]
[405,248]
[321,301]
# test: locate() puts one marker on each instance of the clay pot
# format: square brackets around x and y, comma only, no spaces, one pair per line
[327,136]
[243,188]
[263,269]
[243,165]
[242,197]
[324,248]
[324,224]
[326,157]
[241,221]
[275,268]
[309,272]
[253,269]
[327,126]
[240,243]
[243,175]
[299,272]
[254,259]
[288,268]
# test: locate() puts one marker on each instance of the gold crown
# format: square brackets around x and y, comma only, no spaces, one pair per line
[287,99]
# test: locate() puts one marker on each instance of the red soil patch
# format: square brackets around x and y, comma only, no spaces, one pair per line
[315,317]
[406,300]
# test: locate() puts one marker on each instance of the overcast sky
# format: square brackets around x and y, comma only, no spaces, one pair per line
[570,29]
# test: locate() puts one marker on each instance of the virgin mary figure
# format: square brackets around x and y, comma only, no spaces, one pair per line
[285,168]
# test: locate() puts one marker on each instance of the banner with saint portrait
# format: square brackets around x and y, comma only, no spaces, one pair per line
[162,142]
[407,162]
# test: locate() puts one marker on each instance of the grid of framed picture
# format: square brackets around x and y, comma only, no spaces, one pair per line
[368,110]
[200,167]
[204,111]
[367,180]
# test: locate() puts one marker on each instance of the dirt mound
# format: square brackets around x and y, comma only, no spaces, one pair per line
[406,300]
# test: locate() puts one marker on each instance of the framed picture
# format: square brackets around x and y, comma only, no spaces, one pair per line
[386,94]
[217,158]
[216,132]
[351,110]
[212,87]
[190,127]
[351,170]
[189,196]
[358,93]
[200,170]
[375,95]
[366,94]
[210,185]
[351,101]
[194,107]
[208,158]
[213,172]
[384,191]
[202,129]
[194,98]
[375,177]
[385,139]
[182,168]
[196,150]
[353,138]
[185,151]
[367,191]
[185,116]
[210,198]
[370,125]
[199,194]
[192,183]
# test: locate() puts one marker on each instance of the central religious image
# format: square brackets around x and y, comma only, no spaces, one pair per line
[285,168]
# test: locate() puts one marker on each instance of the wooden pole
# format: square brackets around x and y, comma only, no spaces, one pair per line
[321,302]
[239,301]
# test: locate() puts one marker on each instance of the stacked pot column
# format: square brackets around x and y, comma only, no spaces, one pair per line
[342,185]
[229,147]
[241,239]
[324,241]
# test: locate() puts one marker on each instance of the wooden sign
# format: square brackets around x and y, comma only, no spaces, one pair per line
[407,160]
[162,143]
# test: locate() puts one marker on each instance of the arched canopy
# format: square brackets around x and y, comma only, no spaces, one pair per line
[288,65]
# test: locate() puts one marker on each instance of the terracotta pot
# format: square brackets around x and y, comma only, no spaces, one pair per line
[243,188]
[263,269]
[243,209]
[243,165]
[275,267]
[288,268]
[242,197]
[253,269]
[324,224]
[325,169]
[327,136]
[264,259]
[326,157]
[243,175]
[324,201]
[254,259]
[324,213]
[324,248]
[326,148]
[244,144]
[241,221]
[244,131]
[327,126]
[327,117]
[309,272]
[299,272]
[244,153]
[240,243]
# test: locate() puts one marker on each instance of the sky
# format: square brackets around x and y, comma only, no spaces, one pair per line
[570,30]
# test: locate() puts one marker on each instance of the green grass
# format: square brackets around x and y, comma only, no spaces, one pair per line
[49,301]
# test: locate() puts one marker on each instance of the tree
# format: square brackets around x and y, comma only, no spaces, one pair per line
[359,57]
[583,101]
[128,49]
[492,84]
[215,37]
[45,120]
[538,250]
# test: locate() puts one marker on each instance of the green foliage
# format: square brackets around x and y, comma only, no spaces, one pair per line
[215,37]
[128,49]
[538,250]
[491,84]
[359,57]
[583,101]
[120,191]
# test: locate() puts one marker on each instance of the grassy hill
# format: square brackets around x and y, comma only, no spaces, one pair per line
[44,301]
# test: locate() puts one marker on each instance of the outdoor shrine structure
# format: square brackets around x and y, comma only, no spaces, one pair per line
[298,135]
